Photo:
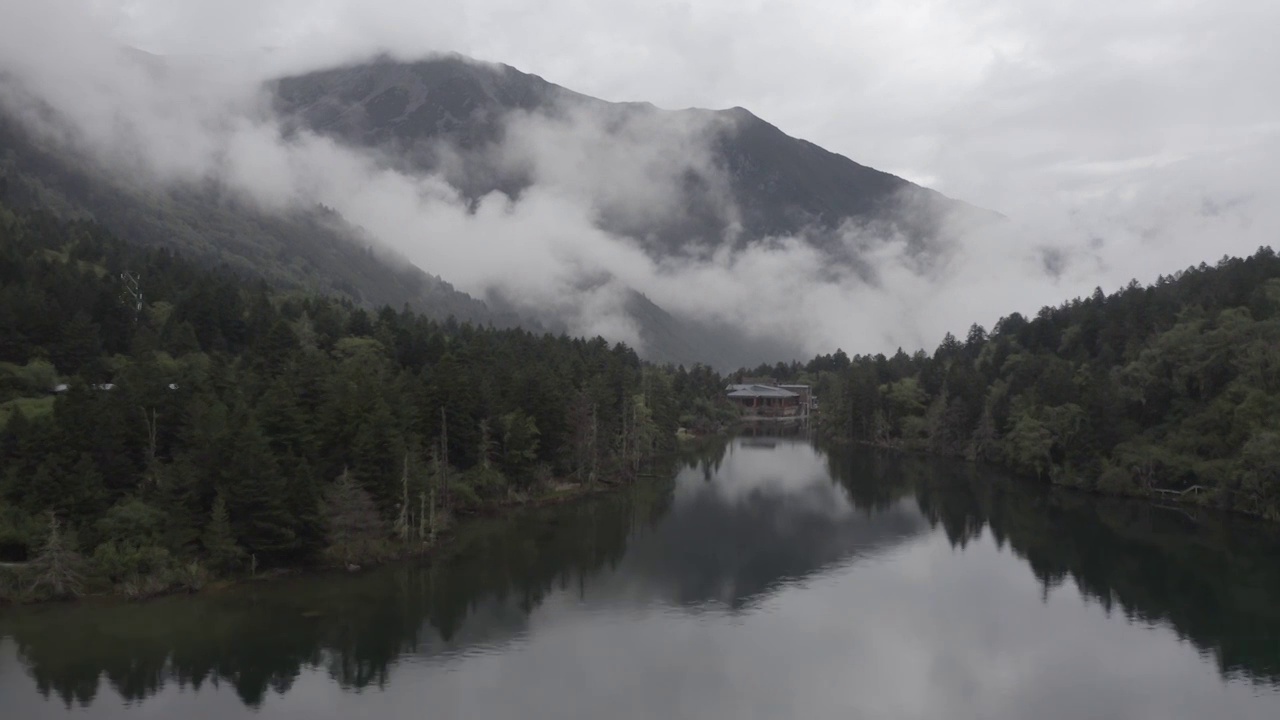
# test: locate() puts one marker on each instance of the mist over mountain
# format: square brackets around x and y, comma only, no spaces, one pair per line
[602,198]
[306,248]
[475,190]
[728,176]
[674,184]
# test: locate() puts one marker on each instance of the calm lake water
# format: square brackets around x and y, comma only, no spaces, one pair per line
[767,580]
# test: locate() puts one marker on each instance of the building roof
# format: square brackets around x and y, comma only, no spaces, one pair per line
[759,391]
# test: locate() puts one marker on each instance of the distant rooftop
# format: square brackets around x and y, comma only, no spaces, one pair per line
[759,391]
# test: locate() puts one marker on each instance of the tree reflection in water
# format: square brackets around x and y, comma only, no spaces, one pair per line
[703,538]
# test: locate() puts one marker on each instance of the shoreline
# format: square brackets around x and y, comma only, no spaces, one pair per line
[558,493]
[1156,497]
[402,552]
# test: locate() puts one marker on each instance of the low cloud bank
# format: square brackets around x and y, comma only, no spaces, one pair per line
[167,120]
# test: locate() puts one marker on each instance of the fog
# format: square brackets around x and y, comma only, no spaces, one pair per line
[186,119]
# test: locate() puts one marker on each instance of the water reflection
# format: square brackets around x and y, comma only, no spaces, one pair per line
[772,513]
[1212,579]
[740,525]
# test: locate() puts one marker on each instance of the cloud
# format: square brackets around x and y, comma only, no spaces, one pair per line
[1119,148]
[627,163]
[980,94]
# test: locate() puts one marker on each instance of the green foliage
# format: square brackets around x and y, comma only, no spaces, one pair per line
[130,554]
[204,428]
[12,586]
[519,445]
[36,378]
[905,398]
[58,570]
[356,532]
[1260,476]
[20,533]
[30,408]
[123,562]
[220,548]
[483,483]
[131,522]
[1027,445]
[1170,391]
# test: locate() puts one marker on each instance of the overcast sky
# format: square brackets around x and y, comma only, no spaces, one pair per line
[999,102]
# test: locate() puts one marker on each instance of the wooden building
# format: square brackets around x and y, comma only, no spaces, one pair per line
[767,400]
[806,396]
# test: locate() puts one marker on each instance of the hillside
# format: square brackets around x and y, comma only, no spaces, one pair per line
[313,251]
[1170,391]
[757,181]
[208,422]
[706,181]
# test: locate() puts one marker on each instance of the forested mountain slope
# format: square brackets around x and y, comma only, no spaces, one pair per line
[215,423]
[675,183]
[1169,391]
[313,250]
[450,114]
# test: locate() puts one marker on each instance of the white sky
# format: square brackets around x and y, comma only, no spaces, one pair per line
[987,100]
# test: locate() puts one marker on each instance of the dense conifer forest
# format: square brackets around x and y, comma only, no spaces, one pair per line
[165,423]
[1169,391]
[1116,552]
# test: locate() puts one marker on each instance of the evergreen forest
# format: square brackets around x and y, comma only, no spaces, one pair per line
[165,423]
[1169,391]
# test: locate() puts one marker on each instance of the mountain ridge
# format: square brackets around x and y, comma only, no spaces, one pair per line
[311,249]
[781,185]
[743,180]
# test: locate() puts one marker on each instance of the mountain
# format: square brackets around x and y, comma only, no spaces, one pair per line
[307,249]
[678,184]
[311,250]
[729,177]
[453,115]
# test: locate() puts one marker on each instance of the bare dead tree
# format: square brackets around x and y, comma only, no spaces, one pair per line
[486,444]
[150,418]
[132,292]
[595,455]
[402,521]
[422,512]
[444,459]
[435,476]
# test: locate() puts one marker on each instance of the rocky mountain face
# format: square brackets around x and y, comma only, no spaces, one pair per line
[750,180]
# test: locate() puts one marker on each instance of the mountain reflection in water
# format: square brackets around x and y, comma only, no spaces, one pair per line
[742,524]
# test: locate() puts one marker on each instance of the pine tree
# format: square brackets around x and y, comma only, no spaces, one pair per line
[221,550]
[58,571]
[356,531]
[519,445]
[86,494]
[183,496]
[256,492]
[306,504]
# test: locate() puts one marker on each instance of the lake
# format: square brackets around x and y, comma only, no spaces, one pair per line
[765,578]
